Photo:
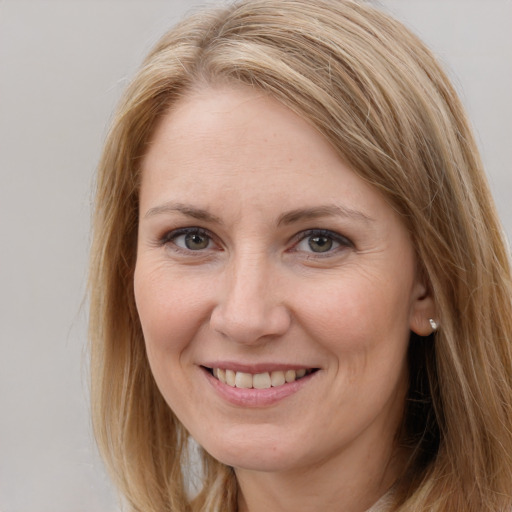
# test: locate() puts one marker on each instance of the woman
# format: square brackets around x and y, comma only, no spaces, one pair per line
[297,263]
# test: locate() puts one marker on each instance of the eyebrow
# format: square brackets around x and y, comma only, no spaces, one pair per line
[189,211]
[323,211]
[284,219]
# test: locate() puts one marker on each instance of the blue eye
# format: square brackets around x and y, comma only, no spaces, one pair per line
[190,239]
[321,241]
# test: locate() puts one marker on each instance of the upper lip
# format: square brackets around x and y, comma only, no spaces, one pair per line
[256,367]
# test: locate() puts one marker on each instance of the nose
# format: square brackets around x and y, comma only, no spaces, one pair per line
[250,308]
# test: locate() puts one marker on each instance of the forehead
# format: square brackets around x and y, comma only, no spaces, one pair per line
[236,118]
[236,146]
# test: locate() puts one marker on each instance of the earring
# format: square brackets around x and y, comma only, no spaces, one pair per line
[433,324]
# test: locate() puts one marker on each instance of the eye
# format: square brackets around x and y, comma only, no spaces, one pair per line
[189,239]
[321,241]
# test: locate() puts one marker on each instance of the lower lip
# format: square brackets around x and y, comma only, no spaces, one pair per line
[257,397]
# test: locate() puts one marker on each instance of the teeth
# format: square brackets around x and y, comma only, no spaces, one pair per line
[277,378]
[290,375]
[230,378]
[221,375]
[263,380]
[243,380]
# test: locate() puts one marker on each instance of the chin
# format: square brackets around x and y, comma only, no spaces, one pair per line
[256,452]
[258,460]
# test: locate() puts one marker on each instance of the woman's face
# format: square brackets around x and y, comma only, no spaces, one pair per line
[276,289]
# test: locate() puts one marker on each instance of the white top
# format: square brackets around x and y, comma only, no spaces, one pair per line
[383,504]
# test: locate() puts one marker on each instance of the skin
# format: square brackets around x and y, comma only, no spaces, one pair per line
[256,179]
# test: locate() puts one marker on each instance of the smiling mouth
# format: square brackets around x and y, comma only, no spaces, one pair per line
[264,380]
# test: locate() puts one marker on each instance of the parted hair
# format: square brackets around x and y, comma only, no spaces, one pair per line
[377,94]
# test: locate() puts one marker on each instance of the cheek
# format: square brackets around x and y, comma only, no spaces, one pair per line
[363,323]
[170,309]
[355,312]
[364,326]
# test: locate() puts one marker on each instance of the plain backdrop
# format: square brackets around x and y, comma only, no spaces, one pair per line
[63,65]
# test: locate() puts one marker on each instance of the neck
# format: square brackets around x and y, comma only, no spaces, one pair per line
[340,483]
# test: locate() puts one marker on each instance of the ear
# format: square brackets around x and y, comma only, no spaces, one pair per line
[423,309]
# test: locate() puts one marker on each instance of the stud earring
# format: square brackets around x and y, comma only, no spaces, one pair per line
[433,324]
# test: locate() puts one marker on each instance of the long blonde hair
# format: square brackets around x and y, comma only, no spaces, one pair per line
[378,95]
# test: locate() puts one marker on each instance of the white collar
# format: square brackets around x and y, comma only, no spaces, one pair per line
[383,504]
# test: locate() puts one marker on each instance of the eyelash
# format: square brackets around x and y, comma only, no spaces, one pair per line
[172,236]
[343,242]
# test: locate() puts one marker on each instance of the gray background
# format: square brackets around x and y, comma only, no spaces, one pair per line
[63,65]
